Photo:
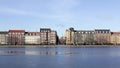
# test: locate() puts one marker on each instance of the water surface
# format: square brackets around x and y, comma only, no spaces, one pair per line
[59,57]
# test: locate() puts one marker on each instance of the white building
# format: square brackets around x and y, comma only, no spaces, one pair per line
[32,38]
[3,37]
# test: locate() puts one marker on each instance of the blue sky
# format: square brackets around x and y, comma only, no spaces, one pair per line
[59,15]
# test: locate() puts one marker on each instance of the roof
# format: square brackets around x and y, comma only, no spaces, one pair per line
[32,32]
[45,29]
[3,32]
[16,30]
[102,29]
[115,32]
[84,30]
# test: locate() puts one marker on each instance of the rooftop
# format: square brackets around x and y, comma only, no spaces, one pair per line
[115,32]
[3,32]
[16,30]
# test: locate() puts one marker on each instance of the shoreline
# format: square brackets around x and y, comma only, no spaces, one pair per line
[54,46]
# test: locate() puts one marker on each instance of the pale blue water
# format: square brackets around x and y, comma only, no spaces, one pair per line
[60,57]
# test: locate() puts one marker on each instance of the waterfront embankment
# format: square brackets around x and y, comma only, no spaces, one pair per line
[67,46]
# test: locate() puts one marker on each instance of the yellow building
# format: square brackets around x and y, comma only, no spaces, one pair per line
[115,38]
[69,36]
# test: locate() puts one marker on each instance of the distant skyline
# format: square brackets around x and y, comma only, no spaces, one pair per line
[59,15]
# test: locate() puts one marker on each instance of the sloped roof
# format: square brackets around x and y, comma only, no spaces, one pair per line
[16,30]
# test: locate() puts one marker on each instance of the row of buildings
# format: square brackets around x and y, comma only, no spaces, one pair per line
[97,36]
[45,36]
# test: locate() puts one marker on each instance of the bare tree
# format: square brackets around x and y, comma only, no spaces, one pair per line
[89,39]
[78,39]
[62,40]
[103,41]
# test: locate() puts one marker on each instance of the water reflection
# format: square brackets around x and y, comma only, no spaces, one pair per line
[60,57]
[35,53]
[62,51]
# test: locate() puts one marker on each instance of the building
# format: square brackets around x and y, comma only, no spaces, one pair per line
[32,38]
[103,36]
[16,37]
[48,36]
[69,36]
[77,37]
[3,37]
[115,38]
[84,37]
[80,37]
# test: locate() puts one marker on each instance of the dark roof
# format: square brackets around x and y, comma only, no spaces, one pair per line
[45,29]
[85,30]
[32,32]
[102,29]
[3,32]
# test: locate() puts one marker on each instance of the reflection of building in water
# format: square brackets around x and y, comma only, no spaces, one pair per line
[32,52]
[40,53]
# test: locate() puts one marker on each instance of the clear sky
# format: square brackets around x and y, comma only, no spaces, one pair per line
[59,15]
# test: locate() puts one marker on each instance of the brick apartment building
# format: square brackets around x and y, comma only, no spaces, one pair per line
[48,36]
[103,36]
[16,37]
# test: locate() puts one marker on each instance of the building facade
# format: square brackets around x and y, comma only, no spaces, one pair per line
[16,37]
[69,36]
[80,37]
[3,37]
[48,36]
[32,38]
[115,38]
[84,37]
[103,36]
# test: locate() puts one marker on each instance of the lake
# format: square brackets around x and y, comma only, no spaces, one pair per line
[60,57]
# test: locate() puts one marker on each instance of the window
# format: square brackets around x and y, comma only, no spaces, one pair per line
[89,32]
[103,31]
